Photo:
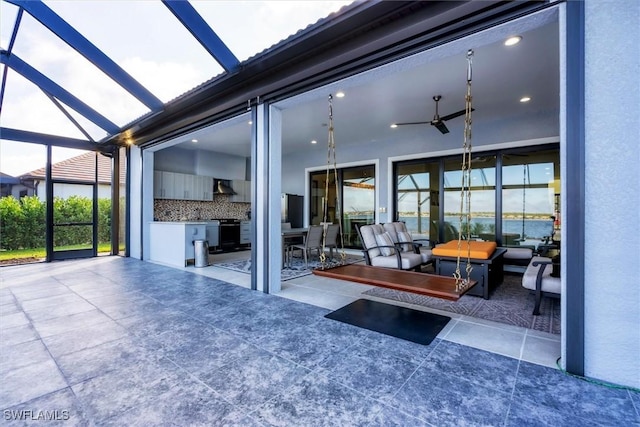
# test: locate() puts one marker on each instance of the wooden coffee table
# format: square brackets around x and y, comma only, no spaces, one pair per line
[489,273]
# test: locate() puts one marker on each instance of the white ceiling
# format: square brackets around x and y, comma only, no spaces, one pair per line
[403,91]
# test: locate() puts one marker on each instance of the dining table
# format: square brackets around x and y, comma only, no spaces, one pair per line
[290,233]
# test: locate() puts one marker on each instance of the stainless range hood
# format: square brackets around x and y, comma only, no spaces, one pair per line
[221,186]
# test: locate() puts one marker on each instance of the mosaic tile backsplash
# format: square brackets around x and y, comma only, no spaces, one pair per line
[189,210]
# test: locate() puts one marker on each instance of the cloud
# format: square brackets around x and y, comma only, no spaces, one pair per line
[166,80]
[151,45]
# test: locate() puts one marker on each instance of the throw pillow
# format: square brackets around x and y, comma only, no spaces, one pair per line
[405,237]
[384,239]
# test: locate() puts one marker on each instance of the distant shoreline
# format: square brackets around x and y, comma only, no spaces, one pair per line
[508,215]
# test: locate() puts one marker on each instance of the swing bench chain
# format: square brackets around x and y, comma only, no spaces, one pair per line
[465,188]
[331,155]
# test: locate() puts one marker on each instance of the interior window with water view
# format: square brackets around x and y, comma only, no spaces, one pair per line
[356,191]
[530,198]
[417,198]
[483,198]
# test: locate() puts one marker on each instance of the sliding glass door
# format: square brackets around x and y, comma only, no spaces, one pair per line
[74,220]
[418,198]
[515,197]
[352,201]
[530,198]
[483,199]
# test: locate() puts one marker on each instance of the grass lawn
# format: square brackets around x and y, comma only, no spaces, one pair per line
[40,253]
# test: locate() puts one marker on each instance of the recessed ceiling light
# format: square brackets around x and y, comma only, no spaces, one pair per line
[313,141]
[393,126]
[250,122]
[340,94]
[525,99]
[194,140]
[512,40]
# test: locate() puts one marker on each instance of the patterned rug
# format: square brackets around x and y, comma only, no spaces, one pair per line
[297,268]
[509,303]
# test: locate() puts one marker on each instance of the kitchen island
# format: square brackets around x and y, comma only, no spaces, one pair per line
[171,242]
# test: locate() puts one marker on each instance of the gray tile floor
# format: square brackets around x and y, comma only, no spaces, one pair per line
[114,341]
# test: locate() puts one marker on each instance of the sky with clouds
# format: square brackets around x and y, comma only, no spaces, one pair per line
[147,41]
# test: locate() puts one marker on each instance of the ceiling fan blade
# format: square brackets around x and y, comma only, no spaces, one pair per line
[454,115]
[412,123]
[439,124]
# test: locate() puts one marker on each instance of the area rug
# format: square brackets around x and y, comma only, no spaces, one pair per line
[400,322]
[509,303]
[295,270]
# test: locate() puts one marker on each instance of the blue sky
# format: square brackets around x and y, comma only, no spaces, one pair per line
[148,42]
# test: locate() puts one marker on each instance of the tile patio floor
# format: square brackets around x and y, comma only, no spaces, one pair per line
[116,341]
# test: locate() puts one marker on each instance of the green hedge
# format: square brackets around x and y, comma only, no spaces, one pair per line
[22,222]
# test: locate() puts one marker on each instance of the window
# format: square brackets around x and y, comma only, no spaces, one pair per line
[530,188]
[356,196]
[483,198]
[515,198]
[417,197]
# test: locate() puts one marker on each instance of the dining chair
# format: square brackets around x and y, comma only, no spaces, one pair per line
[288,241]
[331,238]
[313,241]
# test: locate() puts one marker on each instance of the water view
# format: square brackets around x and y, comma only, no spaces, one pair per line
[533,228]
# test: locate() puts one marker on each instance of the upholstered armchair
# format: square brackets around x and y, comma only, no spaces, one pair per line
[402,237]
[537,277]
[380,251]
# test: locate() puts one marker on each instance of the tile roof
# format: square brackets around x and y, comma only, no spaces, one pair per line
[81,168]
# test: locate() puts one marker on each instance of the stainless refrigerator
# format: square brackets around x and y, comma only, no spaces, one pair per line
[292,209]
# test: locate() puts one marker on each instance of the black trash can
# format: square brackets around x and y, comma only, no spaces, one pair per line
[201,248]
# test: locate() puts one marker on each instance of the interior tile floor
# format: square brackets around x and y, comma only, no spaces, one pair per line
[117,341]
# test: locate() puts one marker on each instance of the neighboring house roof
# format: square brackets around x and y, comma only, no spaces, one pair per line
[8,179]
[80,168]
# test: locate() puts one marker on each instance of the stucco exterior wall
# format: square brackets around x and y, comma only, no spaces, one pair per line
[612,132]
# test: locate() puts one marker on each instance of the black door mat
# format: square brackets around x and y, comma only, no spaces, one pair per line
[400,322]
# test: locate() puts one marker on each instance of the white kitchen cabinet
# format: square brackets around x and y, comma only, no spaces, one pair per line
[197,192]
[205,187]
[171,243]
[157,185]
[213,233]
[180,186]
[164,185]
[245,232]
[242,189]
[188,183]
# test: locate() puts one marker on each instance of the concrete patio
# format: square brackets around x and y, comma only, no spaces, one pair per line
[117,341]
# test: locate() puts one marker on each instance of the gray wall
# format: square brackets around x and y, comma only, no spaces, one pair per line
[612,255]
[422,141]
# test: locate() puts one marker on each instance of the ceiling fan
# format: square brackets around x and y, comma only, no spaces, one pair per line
[438,121]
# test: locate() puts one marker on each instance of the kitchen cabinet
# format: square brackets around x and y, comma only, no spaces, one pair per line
[171,243]
[180,186]
[164,185]
[245,232]
[179,191]
[242,189]
[213,233]
[206,184]
[197,192]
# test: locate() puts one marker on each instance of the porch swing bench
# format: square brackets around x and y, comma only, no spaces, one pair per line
[389,259]
[430,285]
